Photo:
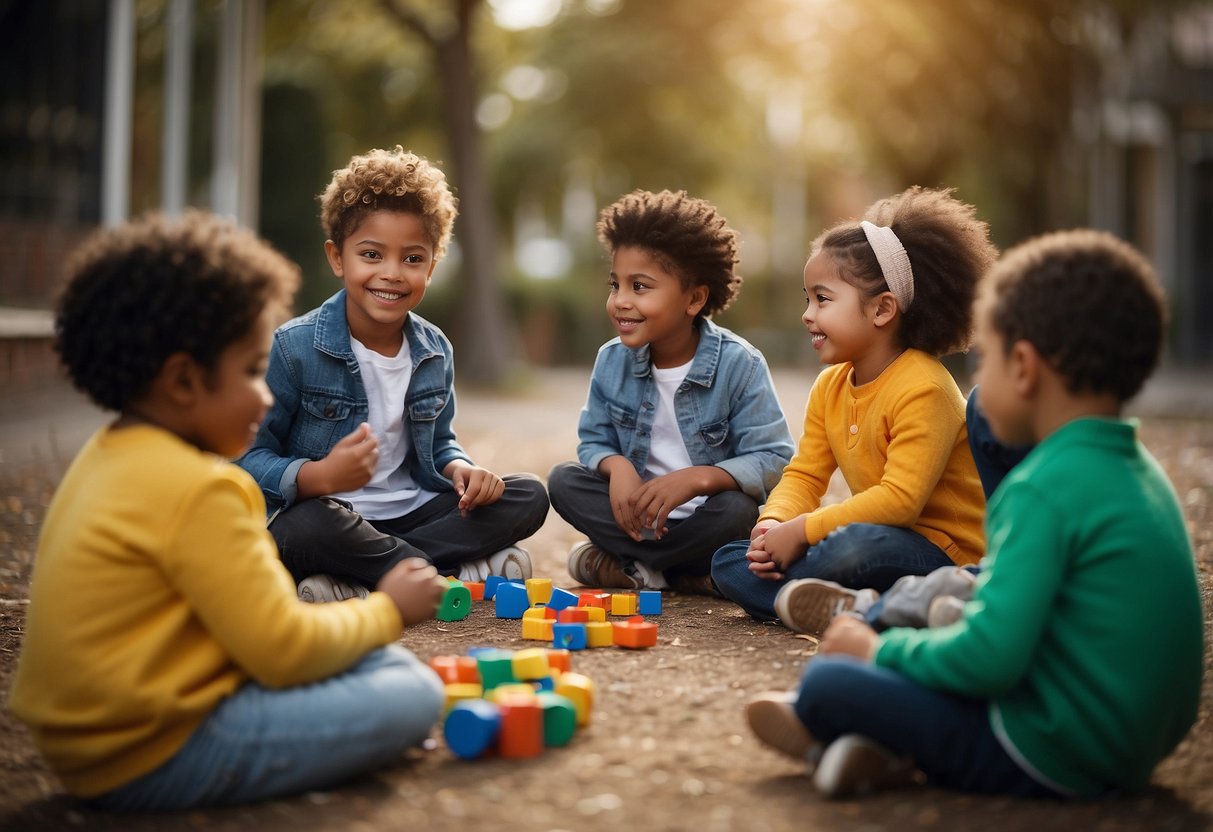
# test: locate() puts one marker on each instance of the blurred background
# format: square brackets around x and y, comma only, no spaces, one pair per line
[789,115]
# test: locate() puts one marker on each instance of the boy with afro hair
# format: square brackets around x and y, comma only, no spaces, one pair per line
[681,435]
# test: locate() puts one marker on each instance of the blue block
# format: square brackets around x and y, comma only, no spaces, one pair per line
[649,603]
[471,727]
[544,683]
[570,636]
[562,599]
[511,600]
[491,583]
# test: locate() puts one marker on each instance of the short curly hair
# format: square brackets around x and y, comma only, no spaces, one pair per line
[949,250]
[685,233]
[1088,302]
[389,180]
[139,292]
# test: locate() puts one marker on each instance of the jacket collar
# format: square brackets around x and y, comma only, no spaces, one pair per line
[703,365]
[333,332]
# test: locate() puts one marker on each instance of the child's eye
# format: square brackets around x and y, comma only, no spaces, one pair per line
[414,258]
[638,287]
[613,284]
[371,255]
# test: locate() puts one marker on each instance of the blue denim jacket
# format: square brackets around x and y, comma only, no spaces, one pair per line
[319,399]
[726,408]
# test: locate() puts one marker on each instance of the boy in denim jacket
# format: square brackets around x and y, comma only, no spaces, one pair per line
[357,458]
[682,435]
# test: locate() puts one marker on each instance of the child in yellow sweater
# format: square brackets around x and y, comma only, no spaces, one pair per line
[167,661]
[886,297]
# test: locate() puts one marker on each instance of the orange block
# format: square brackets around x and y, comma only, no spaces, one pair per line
[456,669]
[561,660]
[521,727]
[573,615]
[477,589]
[635,633]
[594,598]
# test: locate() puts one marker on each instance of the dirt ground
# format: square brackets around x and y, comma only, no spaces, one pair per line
[667,749]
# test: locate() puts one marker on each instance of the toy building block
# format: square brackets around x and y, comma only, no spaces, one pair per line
[594,598]
[456,603]
[490,586]
[562,599]
[599,634]
[537,629]
[559,719]
[531,663]
[496,668]
[649,603]
[456,669]
[515,689]
[578,689]
[539,612]
[595,613]
[635,633]
[460,691]
[623,603]
[521,733]
[572,615]
[569,636]
[471,728]
[511,600]
[476,588]
[539,590]
[560,660]
[544,683]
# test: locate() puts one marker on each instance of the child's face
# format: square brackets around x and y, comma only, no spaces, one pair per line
[649,305]
[234,397]
[1004,407]
[835,314]
[385,263]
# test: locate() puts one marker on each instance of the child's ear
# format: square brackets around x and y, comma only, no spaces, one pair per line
[333,254]
[886,309]
[699,297]
[180,379]
[1025,365]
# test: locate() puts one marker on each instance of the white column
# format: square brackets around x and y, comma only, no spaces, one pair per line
[235,179]
[178,58]
[119,94]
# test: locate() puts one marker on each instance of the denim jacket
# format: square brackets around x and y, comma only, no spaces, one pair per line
[726,408]
[319,399]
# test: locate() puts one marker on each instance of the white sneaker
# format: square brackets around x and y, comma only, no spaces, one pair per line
[808,605]
[512,563]
[320,589]
[854,765]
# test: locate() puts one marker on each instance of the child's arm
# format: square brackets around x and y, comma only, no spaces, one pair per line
[349,465]
[416,588]
[653,501]
[623,482]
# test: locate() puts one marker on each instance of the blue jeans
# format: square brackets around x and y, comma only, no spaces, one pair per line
[260,743]
[948,737]
[857,555]
[583,498]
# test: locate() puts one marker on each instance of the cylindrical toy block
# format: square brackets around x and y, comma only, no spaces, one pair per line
[559,719]
[471,727]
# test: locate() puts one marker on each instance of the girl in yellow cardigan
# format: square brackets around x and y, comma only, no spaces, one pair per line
[886,298]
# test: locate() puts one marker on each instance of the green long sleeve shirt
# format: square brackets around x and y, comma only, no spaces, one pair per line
[1085,632]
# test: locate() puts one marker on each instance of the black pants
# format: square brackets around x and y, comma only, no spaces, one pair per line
[324,535]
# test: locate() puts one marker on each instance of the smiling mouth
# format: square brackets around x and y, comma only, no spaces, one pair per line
[627,323]
[384,295]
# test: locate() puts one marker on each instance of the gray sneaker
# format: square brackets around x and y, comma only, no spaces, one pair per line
[775,724]
[512,563]
[590,566]
[855,765]
[321,589]
[808,605]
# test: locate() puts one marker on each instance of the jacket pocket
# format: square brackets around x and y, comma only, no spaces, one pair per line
[323,421]
[716,434]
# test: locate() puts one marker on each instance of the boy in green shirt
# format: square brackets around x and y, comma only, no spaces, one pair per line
[1051,684]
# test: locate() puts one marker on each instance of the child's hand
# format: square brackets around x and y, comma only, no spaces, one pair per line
[623,482]
[653,501]
[786,542]
[761,527]
[475,486]
[416,588]
[851,637]
[351,463]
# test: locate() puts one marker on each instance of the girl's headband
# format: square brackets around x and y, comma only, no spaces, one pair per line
[893,260]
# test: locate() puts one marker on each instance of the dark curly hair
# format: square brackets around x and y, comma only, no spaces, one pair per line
[949,250]
[140,292]
[685,233]
[1088,302]
[389,180]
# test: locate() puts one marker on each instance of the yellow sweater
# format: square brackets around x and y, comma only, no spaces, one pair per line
[157,591]
[903,448]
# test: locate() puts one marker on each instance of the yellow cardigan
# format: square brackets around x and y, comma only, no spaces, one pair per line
[157,591]
[903,448]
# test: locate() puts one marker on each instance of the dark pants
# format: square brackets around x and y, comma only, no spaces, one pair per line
[948,737]
[583,499]
[324,535]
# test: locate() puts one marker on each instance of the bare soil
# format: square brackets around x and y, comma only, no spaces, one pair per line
[667,747]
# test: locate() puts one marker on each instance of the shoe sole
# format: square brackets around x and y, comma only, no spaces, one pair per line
[776,725]
[855,765]
[809,606]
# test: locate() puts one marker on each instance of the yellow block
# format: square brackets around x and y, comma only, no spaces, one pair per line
[596,613]
[456,691]
[539,590]
[599,633]
[531,663]
[623,603]
[514,689]
[535,612]
[579,689]
[537,629]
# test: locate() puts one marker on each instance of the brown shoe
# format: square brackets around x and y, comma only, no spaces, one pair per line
[808,605]
[855,765]
[590,566]
[774,722]
[694,585]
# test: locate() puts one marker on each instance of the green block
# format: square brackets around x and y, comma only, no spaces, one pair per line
[559,718]
[496,668]
[456,603]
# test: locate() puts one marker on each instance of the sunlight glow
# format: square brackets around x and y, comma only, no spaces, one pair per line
[516,15]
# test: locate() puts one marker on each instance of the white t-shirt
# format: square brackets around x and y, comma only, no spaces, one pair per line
[667,451]
[391,492]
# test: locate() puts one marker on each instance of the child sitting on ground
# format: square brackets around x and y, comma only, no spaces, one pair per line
[1077,666]
[886,297]
[167,662]
[357,458]
[682,434]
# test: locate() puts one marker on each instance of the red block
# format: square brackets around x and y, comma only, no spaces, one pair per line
[635,632]
[594,598]
[521,732]
[573,615]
